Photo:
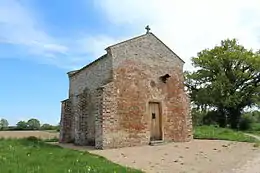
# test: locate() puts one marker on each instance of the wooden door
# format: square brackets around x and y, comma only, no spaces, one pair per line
[155,116]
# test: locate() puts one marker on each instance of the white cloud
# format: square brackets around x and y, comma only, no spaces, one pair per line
[94,45]
[20,28]
[189,26]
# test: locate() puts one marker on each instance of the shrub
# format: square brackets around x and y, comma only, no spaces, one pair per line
[245,122]
[32,139]
[47,127]
[255,127]
[256,114]
[210,118]
[197,117]
[55,139]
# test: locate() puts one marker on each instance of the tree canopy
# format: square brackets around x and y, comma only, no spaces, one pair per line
[47,127]
[21,125]
[227,80]
[3,124]
[33,124]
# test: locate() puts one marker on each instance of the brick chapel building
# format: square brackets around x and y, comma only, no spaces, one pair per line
[133,95]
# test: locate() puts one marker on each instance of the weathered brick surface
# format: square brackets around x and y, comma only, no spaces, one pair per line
[110,98]
[138,65]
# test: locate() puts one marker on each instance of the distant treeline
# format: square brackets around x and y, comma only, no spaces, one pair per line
[31,124]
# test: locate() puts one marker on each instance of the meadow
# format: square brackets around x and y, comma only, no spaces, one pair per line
[31,155]
[217,133]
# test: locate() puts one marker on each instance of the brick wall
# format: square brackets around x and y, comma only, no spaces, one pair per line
[137,65]
[109,100]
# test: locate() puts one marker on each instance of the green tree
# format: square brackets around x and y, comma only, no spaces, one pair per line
[227,79]
[3,124]
[21,125]
[256,114]
[34,124]
[47,127]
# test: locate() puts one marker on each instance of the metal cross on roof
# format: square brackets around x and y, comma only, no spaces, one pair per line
[147,29]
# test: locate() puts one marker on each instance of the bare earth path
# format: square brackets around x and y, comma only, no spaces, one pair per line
[252,165]
[197,156]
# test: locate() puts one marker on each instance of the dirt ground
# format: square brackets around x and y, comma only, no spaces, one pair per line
[252,166]
[23,134]
[198,156]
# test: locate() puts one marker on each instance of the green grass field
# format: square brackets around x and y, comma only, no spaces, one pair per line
[33,156]
[211,132]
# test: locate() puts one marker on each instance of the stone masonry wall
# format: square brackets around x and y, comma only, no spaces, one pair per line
[66,122]
[99,118]
[85,114]
[81,115]
[138,65]
[189,129]
[82,93]
[110,118]
[97,74]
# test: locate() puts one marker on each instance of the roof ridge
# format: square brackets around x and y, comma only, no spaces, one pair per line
[86,66]
[72,73]
[130,39]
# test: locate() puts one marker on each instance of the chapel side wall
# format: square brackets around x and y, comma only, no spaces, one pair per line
[137,66]
[96,75]
[83,86]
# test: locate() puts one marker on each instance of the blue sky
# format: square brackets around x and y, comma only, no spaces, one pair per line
[42,40]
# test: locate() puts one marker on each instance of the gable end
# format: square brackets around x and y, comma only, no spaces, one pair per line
[167,47]
[118,44]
